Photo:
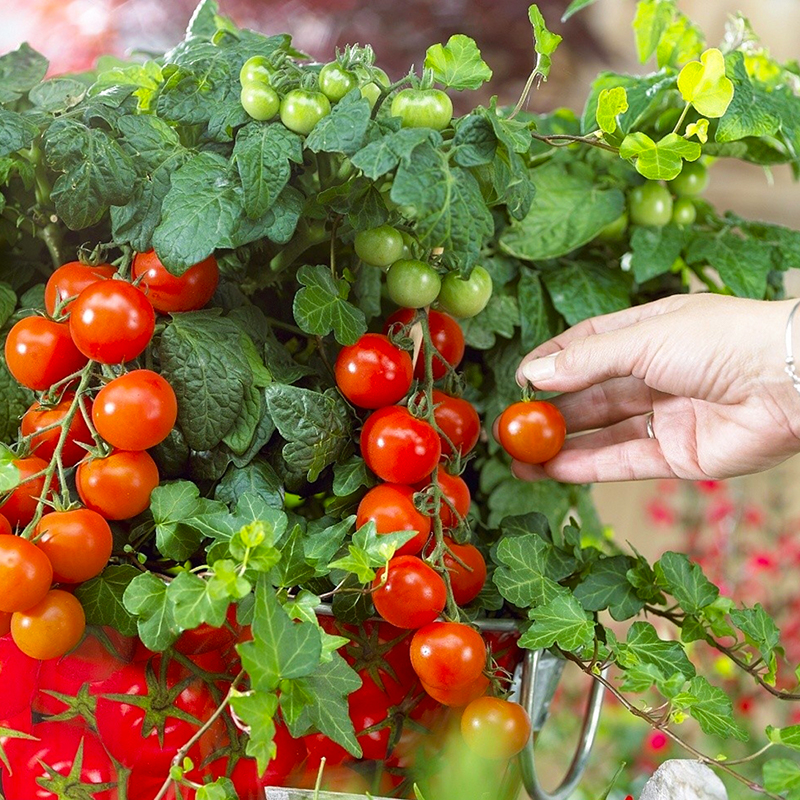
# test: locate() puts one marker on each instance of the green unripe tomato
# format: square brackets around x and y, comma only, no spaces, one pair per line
[650,204]
[335,81]
[692,180]
[301,110]
[379,247]
[615,230]
[260,101]
[423,108]
[255,70]
[465,298]
[369,87]
[684,211]
[412,283]
[409,245]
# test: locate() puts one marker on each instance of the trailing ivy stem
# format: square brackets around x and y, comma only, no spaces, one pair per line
[561,139]
[56,462]
[682,118]
[182,753]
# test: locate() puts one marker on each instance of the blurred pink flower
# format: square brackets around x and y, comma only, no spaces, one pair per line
[660,513]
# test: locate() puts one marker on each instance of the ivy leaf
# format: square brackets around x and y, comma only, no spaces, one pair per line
[102,598]
[643,646]
[685,582]
[759,628]
[281,648]
[322,544]
[712,708]
[545,42]
[530,569]
[662,160]
[703,84]
[293,569]
[652,19]
[146,596]
[788,736]
[257,710]
[751,111]
[562,622]
[195,601]
[458,64]
[610,104]
[349,476]
[782,775]
[582,289]
[321,306]
[654,250]
[607,586]
[568,211]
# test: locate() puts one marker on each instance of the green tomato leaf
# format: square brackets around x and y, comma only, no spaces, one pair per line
[653,18]
[257,480]
[20,71]
[146,597]
[575,6]
[321,306]
[662,160]
[102,599]
[583,289]
[610,104]
[703,84]
[654,250]
[510,498]
[349,476]
[344,129]
[545,42]
[384,154]
[681,42]
[57,94]
[8,302]
[752,111]
[16,132]
[562,622]
[458,64]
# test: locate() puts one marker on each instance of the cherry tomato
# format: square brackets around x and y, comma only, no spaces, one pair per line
[260,101]
[614,231]
[40,353]
[448,655]
[379,247]
[447,337]
[398,447]
[532,432]
[5,622]
[423,108]
[20,506]
[691,181]
[135,411]
[205,638]
[5,526]
[458,421]
[414,594]
[456,501]
[301,110]
[18,676]
[168,292]
[25,574]
[44,444]
[684,211]
[370,80]
[335,81]
[51,628]
[373,373]
[467,574]
[495,728]
[256,69]
[412,283]
[461,696]
[650,204]
[119,486]
[112,322]
[391,507]
[465,297]
[56,746]
[78,544]
[69,280]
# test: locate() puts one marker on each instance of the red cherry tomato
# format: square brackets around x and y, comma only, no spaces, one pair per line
[460,696]
[398,447]
[69,280]
[78,544]
[391,507]
[168,292]
[18,676]
[458,421]
[373,373]
[414,594]
[468,574]
[5,525]
[38,417]
[532,432]
[448,655]
[5,622]
[447,337]
[51,628]
[56,746]
[20,506]
[40,353]
[205,638]
[25,574]
[119,486]
[112,322]
[135,411]
[456,502]
[495,728]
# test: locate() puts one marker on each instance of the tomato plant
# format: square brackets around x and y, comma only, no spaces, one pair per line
[408,593]
[423,108]
[43,425]
[448,655]
[335,81]
[391,507]
[379,247]
[495,728]
[257,69]
[684,211]
[77,543]
[260,101]
[458,422]
[650,204]
[118,486]
[691,181]
[467,568]
[186,292]
[456,499]
[465,297]
[412,283]
[531,431]
[26,574]
[69,280]
[301,110]
[446,336]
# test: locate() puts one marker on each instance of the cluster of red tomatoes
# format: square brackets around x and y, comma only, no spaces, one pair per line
[102,430]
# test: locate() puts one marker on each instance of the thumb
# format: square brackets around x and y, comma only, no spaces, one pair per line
[589,361]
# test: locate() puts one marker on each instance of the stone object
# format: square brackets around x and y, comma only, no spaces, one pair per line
[683,779]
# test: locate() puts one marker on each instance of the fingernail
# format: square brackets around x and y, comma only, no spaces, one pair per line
[540,369]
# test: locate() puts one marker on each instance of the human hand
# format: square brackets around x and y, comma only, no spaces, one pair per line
[709,368]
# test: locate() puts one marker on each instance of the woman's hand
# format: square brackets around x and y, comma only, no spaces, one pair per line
[709,369]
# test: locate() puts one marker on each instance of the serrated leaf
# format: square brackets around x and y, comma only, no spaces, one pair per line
[20,71]
[751,111]
[102,599]
[611,103]
[349,476]
[703,84]
[344,129]
[545,42]
[458,64]
[607,586]
[16,132]
[654,250]
[321,306]
[782,775]
[57,94]
[712,708]
[685,582]
[643,646]
[385,153]
[146,596]
[561,621]
[8,302]
[662,160]
[583,289]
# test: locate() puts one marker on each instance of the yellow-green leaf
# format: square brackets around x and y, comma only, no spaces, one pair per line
[703,84]
[610,104]
[545,42]
[698,129]
[662,160]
